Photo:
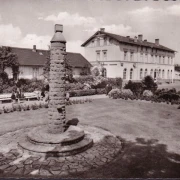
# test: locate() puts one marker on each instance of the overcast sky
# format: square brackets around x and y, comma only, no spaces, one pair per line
[24,23]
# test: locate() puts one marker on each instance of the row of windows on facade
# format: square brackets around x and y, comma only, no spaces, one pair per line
[153,59]
[156,59]
[153,73]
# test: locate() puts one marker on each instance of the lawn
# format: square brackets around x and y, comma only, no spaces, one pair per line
[149,133]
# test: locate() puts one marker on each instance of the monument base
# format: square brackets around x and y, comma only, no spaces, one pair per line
[71,142]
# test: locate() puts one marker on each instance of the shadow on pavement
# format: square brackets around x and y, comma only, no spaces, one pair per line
[140,159]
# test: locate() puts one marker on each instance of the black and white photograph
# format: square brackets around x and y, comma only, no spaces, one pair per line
[89,89]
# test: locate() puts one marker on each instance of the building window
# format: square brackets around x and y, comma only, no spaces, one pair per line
[35,72]
[131,56]
[159,59]
[141,57]
[124,73]
[104,55]
[131,73]
[163,74]
[151,73]
[171,74]
[125,56]
[171,60]
[152,58]
[98,42]
[145,73]
[105,41]
[156,59]
[168,74]
[159,75]
[163,60]
[98,56]
[141,73]
[146,57]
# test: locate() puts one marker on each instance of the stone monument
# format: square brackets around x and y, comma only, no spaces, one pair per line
[52,139]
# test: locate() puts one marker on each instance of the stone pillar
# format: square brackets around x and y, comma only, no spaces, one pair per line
[56,111]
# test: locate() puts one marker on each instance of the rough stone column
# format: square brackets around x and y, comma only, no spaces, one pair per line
[56,111]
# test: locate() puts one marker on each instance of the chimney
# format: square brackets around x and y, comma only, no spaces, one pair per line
[135,39]
[34,48]
[140,37]
[102,29]
[157,42]
[145,40]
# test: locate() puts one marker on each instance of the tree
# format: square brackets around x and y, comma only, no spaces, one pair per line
[9,59]
[149,84]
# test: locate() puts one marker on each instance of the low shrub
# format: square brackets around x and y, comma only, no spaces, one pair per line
[46,105]
[147,93]
[169,96]
[100,91]
[34,106]
[1,111]
[114,93]
[78,101]
[74,86]
[126,92]
[87,92]
[84,79]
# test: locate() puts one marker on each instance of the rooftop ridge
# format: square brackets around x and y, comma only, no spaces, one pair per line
[126,39]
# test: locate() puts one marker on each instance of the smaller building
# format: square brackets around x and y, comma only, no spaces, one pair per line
[177,72]
[32,62]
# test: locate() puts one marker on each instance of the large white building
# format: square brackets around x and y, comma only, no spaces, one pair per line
[129,58]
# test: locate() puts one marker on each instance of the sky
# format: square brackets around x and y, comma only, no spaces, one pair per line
[24,23]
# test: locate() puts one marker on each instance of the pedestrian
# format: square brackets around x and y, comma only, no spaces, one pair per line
[107,89]
[13,97]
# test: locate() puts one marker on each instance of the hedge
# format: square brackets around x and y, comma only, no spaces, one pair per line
[87,92]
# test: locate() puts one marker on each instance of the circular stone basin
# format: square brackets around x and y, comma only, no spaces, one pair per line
[42,135]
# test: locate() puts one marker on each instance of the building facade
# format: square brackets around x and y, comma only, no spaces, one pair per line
[129,58]
[32,62]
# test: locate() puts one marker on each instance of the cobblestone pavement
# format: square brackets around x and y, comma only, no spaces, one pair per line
[16,162]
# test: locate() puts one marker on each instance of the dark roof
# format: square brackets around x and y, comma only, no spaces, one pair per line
[28,57]
[129,41]
[77,60]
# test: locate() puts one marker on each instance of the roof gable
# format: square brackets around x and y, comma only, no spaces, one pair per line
[128,40]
